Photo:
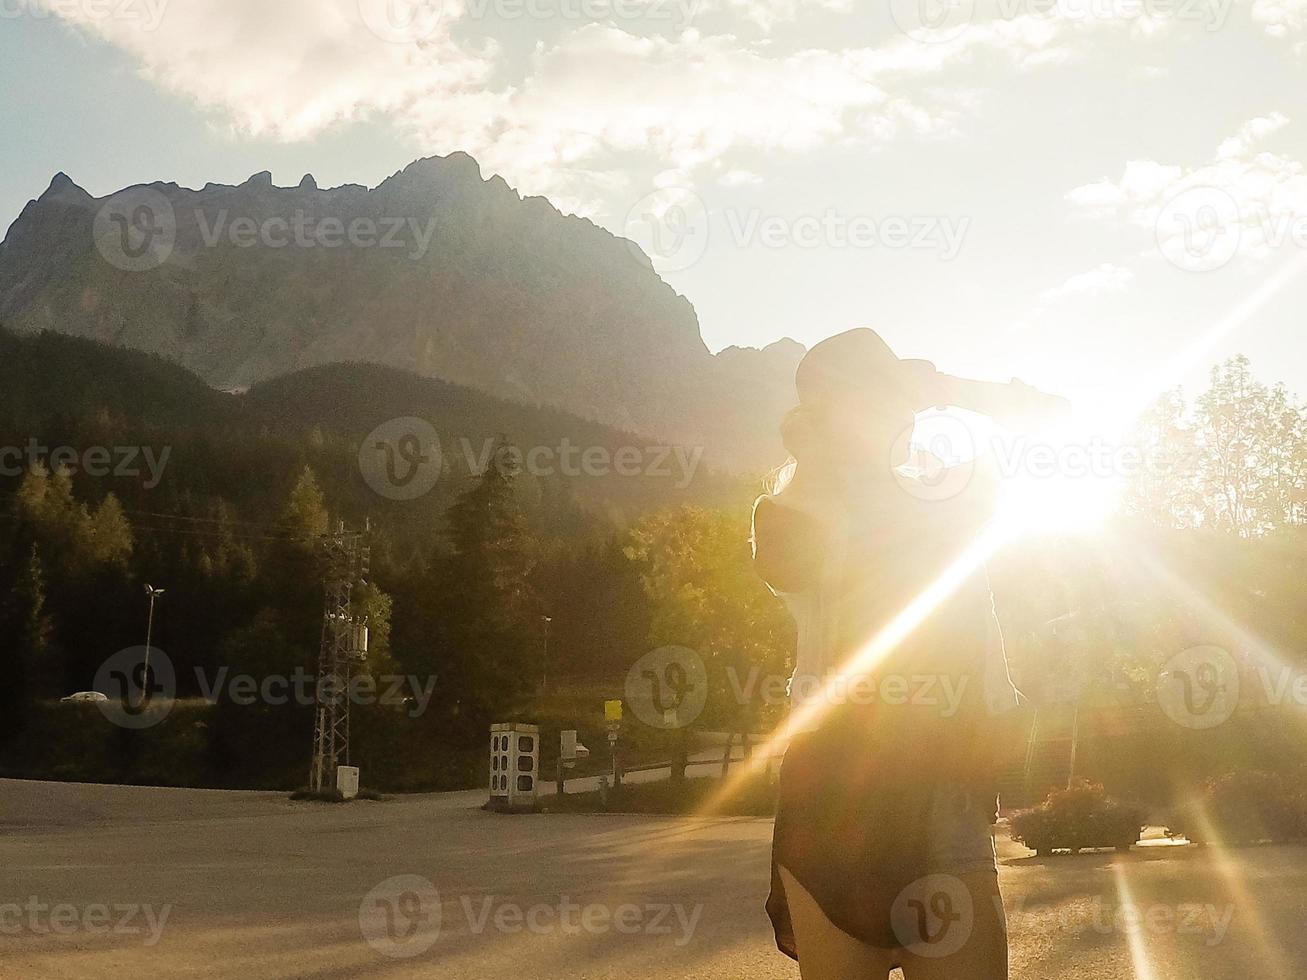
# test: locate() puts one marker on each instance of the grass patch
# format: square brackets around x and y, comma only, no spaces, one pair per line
[334,796]
[755,796]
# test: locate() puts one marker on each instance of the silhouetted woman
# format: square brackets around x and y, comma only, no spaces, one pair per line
[883,854]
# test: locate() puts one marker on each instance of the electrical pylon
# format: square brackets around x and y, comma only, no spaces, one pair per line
[344,643]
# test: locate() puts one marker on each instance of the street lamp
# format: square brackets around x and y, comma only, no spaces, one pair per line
[544,676]
[153,593]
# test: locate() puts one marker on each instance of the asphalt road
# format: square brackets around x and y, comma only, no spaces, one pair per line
[100,881]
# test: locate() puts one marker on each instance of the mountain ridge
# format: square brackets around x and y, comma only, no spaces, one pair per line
[483,287]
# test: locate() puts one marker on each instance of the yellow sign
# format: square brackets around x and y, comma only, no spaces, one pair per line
[612,711]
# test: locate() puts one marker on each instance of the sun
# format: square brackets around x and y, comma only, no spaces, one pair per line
[1058,504]
[1069,480]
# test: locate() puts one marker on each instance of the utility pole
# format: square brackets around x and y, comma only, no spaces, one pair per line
[344,643]
[146,686]
[544,677]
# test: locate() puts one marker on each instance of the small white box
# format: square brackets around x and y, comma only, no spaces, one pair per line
[347,781]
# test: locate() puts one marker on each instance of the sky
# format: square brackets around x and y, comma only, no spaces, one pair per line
[1101,197]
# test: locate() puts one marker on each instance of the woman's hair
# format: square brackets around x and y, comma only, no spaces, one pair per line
[803,433]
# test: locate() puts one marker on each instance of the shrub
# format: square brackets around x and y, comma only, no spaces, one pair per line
[1078,818]
[1245,808]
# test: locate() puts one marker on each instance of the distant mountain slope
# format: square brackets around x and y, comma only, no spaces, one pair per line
[435,271]
[250,448]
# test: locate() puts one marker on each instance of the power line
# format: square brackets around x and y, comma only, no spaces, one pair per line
[187,517]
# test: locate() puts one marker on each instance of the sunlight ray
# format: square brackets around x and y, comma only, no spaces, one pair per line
[865,660]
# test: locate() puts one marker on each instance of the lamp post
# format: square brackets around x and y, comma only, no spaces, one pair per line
[544,675]
[154,594]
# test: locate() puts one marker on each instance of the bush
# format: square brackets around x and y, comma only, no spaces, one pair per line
[1245,808]
[1078,818]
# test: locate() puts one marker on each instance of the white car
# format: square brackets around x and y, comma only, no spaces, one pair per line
[85,697]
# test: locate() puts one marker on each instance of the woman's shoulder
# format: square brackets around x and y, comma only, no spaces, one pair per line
[788,543]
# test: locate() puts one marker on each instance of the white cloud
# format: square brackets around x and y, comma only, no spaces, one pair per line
[739,178]
[1107,278]
[581,106]
[1250,134]
[1244,194]
[1280,17]
[291,68]
[769,14]
[1142,181]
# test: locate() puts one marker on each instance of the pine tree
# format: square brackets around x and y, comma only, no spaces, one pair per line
[485,602]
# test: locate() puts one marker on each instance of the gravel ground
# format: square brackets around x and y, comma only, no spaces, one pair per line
[105,881]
